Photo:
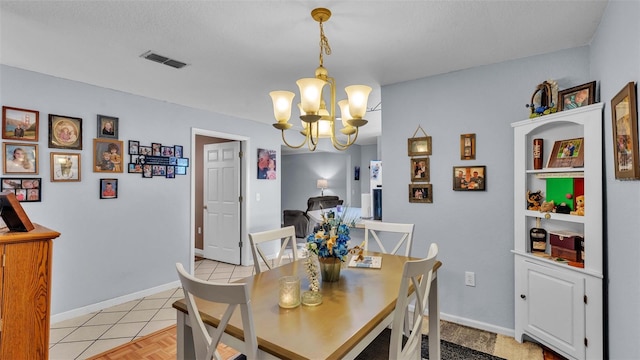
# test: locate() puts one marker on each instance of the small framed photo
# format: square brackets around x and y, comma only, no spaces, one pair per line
[135,168]
[469,178]
[65,166]
[171,171]
[147,171]
[182,162]
[159,170]
[181,170]
[468,147]
[156,149]
[567,153]
[625,134]
[134,146]
[108,188]
[145,150]
[20,124]
[167,151]
[108,127]
[20,158]
[577,96]
[266,164]
[177,151]
[65,132]
[107,155]
[420,169]
[419,146]
[420,193]
[26,189]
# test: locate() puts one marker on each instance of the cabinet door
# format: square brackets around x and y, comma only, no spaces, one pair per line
[552,304]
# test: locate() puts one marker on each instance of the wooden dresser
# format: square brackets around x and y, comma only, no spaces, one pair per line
[25,292]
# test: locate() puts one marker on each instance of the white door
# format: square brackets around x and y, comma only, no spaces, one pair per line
[222,202]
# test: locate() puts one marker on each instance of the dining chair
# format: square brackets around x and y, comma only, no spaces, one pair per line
[286,235]
[206,341]
[404,340]
[403,231]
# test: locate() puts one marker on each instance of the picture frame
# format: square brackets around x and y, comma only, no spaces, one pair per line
[159,170]
[181,170]
[107,155]
[156,149]
[13,214]
[145,150]
[624,117]
[134,147]
[147,171]
[178,151]
[20,158]
[134,168]
[182,162]
[468,147]
[171,172]
[108,188]
[577,96]
[420,193]
[25,189]
[65,132]
[108,127]
[167,151]
[420,169]
[65,167]
[20,124]
[266,164]
[470,178]
[419,146]
[568,153]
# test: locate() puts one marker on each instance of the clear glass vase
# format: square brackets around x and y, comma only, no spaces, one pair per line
[330,268]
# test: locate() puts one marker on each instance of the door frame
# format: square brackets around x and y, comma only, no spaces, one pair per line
[245,170]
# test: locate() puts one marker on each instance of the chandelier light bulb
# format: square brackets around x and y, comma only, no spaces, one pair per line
[310,94]
[358,96]
[282,105]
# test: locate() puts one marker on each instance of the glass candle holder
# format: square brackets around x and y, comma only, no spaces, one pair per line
[289,295]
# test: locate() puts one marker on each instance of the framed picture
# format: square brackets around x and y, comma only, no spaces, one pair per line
[577,96]
[65,132]
[567,153]
[469,178]
[107,127]
[25,189]
[20,124]
[20,158]
[107,155]
[181,170]
[419,146]
[625,133]
[147,171]
[145,150]
[65,166]
[167,151]
[420,169]
[171,171]
[182,162]
[420,193]
[468,147]
[159,170]
[266,164]
[134,146]
[108,188]
[13,214]
[177,151]
[135,168]
[156,149]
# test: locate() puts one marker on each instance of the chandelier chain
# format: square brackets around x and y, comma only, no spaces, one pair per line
[324,44]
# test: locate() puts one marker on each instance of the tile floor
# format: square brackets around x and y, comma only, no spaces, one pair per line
[88,335]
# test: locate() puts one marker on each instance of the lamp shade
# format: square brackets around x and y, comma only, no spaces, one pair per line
[282,105]
[344,112]
[358,96]
[310,94]
[322,184]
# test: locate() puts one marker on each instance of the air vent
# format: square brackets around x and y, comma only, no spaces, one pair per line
[149,55]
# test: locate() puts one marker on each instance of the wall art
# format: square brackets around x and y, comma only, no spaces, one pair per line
[20,124]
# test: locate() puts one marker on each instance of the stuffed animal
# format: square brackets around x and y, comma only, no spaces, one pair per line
[533,200]
[579,206]
[547,206]
[563,208]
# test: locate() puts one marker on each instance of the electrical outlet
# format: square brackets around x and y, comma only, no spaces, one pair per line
[470,278]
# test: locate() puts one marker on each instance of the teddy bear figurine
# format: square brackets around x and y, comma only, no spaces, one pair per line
[534,199]
[579,206]
[547,206]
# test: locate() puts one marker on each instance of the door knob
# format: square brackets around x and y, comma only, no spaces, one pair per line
[522,296]
[205,207]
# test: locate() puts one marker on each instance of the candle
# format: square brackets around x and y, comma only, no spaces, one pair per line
[289,292]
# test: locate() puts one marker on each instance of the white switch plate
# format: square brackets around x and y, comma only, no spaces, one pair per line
[470,278]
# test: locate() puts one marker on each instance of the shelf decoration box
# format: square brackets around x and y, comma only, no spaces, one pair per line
[568,254]
[566,239]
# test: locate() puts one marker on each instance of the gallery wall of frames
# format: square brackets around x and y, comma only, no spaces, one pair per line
[21,165]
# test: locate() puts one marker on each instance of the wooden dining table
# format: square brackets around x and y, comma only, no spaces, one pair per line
[353,312]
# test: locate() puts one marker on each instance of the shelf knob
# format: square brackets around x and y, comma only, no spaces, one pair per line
[547,216]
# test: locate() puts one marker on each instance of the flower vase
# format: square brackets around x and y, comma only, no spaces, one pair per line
[330,268]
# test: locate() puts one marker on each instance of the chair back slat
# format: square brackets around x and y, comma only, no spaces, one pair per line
[377,228]
[287,235]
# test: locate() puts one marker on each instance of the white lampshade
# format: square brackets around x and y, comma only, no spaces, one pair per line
[310,94]
[282,105]
[322,184]
[344,112]
[358,96]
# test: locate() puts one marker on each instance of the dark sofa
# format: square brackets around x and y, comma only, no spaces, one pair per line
[300,219]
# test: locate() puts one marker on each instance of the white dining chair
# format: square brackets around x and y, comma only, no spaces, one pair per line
[285,235]
[402,234]
[206,341]
[404,341]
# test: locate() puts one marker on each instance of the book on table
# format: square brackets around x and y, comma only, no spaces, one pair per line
[373,262]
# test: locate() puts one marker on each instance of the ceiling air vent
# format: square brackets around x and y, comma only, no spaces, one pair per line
[149,55]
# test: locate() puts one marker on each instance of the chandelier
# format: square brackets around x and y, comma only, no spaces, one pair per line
[318,121]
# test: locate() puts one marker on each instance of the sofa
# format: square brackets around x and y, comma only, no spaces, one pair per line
[301,220]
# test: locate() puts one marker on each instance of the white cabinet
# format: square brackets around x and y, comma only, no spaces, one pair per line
[557,304]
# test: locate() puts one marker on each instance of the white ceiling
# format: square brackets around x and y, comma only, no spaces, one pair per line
[238,51]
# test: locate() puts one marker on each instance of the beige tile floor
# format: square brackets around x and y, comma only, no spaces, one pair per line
[89,335]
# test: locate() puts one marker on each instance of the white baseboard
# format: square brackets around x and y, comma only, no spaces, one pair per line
[472,323]
[112,302]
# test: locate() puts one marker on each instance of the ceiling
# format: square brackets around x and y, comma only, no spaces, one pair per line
[238,51]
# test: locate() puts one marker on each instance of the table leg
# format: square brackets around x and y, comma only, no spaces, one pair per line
[184,334]
[434,320]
